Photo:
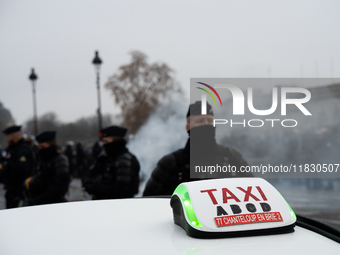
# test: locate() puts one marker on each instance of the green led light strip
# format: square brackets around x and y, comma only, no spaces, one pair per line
[292,213]
[189,210]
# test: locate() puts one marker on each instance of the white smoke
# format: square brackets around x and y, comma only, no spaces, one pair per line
[162,134]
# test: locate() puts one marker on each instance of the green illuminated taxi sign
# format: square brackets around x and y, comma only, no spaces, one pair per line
[228,207]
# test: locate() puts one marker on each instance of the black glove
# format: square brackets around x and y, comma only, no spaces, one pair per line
[91,186]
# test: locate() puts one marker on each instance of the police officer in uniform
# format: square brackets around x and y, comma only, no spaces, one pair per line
[201,149]
[50,182]
[114,174]
[15,165]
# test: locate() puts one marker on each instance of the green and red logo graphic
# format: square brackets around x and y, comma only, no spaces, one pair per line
[209,93]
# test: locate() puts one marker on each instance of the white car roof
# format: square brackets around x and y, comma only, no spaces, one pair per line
[132,226]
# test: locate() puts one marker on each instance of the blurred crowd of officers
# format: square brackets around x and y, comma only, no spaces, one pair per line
[39,172]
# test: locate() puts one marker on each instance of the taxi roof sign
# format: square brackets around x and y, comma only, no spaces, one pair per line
[231,207]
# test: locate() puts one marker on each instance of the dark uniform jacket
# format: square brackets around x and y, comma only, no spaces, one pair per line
[14,169]
[174,168]
[114,176]
[50,182]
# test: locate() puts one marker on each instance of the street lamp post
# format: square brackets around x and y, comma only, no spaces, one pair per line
[97,62]
[33,77]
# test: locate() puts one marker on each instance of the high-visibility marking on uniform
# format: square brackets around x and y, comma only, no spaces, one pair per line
[27,183]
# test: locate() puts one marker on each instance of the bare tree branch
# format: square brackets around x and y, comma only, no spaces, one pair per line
[138,87]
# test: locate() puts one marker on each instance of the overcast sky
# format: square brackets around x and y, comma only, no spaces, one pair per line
[196,38]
